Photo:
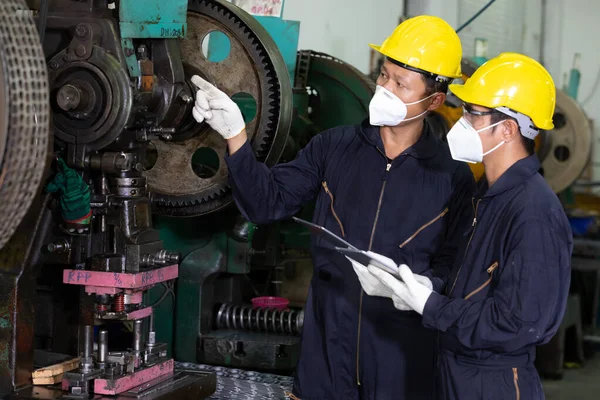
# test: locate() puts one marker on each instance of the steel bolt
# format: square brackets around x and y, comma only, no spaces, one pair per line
[53,64]
[60,246]
[81,31]
[80,50]
[68,97]
[186,98]
[142,52]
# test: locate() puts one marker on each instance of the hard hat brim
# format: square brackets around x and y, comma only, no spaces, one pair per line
[378,49]
[467,96]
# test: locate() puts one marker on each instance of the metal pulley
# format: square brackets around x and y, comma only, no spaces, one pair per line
[565,151]
[24,114]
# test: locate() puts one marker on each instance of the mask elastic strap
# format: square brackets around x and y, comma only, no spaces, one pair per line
[491,126]
[489,151]
[423,113]
[418,101]
[499,144]
[415,117]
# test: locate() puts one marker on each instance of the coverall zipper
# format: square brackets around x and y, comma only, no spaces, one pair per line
[387,170]
[490,271]
[475,207]
[516,379]
[324,183]
[414,235]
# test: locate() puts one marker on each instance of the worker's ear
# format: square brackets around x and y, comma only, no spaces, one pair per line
[436,100]
[509,130]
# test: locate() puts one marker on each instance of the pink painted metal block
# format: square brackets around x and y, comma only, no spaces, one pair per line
[120,385]
[125,316]
[120,280]
[139,314]
[102,290]
[133,297]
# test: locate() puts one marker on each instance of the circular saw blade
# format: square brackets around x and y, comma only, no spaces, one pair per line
[24,114]
[254,66]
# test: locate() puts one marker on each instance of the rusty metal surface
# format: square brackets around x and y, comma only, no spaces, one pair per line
[26,112]
[253,66]
[18,272]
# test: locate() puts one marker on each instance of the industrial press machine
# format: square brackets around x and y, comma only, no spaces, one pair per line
[112,83]
[101,159]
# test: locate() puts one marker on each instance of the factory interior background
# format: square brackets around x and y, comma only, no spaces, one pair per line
[160,279]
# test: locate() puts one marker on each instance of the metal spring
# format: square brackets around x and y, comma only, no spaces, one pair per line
[231,316]
[119,303]
[101,307]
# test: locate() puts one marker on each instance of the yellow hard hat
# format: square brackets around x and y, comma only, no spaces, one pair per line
[426,43]
[516,83]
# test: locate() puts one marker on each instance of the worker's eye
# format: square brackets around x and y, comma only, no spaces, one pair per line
[400,85]
[382,74]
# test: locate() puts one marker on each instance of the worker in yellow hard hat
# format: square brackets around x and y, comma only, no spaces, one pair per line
[508,290]
[388,185]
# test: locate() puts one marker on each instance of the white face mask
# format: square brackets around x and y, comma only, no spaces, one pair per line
[465,143]
[386,109]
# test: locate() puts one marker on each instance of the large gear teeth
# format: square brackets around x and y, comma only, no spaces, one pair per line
[268,131]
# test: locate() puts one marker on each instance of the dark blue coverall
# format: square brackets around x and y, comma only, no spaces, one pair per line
[508,292]
[412,209]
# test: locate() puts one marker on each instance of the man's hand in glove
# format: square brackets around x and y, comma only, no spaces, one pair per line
[414,291]
[217,109]
[370,284]
[374,287]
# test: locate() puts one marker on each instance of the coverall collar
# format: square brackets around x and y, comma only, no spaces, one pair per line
[518,173]
[426,146]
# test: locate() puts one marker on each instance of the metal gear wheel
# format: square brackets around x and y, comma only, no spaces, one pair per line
[24,114]
[189,177]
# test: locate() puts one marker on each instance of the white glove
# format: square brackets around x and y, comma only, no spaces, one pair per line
[374,287]
[370,284]
[414,291]
[217,109]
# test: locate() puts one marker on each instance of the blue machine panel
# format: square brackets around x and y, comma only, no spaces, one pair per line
[157,19]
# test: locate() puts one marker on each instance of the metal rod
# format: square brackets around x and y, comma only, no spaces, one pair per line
[137,335]
[88,340]
[42,20]
[151,333]
[103,347]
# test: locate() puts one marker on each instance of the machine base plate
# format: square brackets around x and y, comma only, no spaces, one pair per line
[182,384]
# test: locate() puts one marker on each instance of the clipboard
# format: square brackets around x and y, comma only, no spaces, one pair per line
[325,234]
[347,249]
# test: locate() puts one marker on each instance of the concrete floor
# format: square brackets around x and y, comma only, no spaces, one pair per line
[577,384]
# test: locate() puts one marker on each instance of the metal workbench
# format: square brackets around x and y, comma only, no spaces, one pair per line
[236,384]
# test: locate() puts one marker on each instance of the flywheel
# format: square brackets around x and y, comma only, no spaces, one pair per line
[24,114]
[339,93]
[190,176]
[565,150]
[328,93]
